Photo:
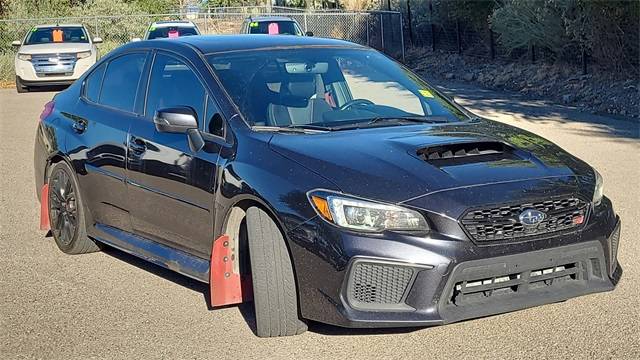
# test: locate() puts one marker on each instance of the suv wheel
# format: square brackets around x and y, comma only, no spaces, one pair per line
[66,212]
[274,288]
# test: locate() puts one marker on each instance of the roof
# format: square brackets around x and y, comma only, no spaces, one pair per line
[265,18]
[217,43]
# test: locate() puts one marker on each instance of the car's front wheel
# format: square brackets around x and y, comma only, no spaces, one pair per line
[274,288]
[66,213]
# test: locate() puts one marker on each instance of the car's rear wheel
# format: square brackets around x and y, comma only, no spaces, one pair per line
[66,212]
[20,87]
[274,288]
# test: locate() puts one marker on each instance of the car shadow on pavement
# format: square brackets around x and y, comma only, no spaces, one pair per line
[246,309]
[492,104]
[157,270]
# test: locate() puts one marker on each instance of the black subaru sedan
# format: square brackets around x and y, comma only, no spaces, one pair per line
[320,180]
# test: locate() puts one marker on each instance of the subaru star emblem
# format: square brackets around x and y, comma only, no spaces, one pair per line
[531,217]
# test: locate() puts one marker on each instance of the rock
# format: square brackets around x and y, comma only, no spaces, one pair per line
[449,76]
[567,99]
[468,76]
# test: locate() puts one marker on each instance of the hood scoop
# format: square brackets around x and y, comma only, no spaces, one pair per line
[467,152]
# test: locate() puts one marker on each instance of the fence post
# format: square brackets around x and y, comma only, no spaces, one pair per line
[305,23]
[206,22]
[458,39]
[95,22]
[409,22]
[382,31]
[533,53]
[492,49]
[433,28]
[402,35]
[368,26]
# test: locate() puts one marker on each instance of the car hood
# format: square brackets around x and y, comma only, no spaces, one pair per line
[392,163]
[59,48]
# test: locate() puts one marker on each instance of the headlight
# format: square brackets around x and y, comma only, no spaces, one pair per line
[25,57]
[598,192]
[84,54]
[362,215]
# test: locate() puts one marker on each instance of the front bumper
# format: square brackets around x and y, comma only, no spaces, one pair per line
[410,281]
[29,77]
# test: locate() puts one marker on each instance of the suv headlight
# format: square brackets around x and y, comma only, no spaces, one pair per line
[84,54]
[598,192]
[25,57]
[363,215]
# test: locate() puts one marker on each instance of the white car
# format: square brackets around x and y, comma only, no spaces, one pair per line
[169,29]
[53,55]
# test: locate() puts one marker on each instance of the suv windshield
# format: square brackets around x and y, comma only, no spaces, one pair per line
[284,27]
[58,34]
[170,32]
[313,86]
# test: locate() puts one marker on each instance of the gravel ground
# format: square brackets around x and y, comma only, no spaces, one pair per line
[111,305]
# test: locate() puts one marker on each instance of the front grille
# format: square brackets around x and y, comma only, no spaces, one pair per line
[502,223]
[377,283]
[479,290]
[53,64]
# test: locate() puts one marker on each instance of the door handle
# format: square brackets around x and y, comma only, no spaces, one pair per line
[79,126]
[136,145]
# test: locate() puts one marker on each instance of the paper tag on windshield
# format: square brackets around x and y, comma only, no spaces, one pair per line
[426,93]
[274,29]
[173,34]
[57,35]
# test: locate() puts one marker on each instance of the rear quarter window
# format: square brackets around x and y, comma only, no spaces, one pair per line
[93,83]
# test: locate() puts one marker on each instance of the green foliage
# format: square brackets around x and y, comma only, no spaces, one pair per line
[523,23]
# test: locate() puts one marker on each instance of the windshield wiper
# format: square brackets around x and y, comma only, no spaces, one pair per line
[417,119]
[292,129]
[309,127]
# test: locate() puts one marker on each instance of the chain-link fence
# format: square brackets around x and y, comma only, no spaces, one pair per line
[380,30]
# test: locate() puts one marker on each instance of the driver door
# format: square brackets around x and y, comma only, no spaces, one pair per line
[170,185]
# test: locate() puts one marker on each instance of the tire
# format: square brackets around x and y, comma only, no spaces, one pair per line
[20,87]
[274,288]
[66,212]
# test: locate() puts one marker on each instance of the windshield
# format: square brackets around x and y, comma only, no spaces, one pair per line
[170,32]
[285,27]
[322,87]
[62,34]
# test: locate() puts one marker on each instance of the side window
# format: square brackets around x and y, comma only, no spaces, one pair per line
[92,83]
[214,124]
[173,84]
[120,84]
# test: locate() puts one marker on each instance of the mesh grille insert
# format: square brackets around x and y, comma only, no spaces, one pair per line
[503,223]
[379,283]
[478,290]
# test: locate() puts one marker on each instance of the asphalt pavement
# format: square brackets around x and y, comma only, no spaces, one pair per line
[114,306]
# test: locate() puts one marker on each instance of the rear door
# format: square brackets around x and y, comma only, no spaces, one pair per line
[171,187]
[97,144]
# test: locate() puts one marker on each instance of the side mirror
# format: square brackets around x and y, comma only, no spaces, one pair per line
[97,40]
[180,120]
[175,120]
[16,43]
[135,39]
[309,33]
